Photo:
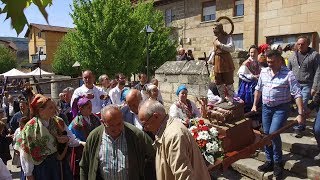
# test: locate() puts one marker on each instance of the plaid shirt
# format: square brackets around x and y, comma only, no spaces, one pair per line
[113,155]
[279,88]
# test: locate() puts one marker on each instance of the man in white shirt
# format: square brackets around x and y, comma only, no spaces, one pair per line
[115,93]
[89,90]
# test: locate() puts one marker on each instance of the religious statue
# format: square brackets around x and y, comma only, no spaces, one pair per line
[221,59]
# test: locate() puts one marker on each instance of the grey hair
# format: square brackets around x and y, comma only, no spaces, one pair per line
[154,107]
[68,89]
[108,108]
[100,79]
[150,87]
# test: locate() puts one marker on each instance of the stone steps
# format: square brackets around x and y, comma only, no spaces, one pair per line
[249,168]
[299,165]
[298,156]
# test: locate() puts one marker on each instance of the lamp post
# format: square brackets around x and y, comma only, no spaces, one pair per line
[148,30]
[77,65]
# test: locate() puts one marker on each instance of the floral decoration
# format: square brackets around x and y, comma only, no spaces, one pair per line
[207,140]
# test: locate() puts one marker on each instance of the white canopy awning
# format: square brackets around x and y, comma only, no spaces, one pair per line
[15,73]
[36,72]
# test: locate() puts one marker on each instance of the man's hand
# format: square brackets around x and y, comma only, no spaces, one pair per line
[254,108]
[313,92]
[301,119]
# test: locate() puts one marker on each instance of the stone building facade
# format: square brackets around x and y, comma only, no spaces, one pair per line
[255,21]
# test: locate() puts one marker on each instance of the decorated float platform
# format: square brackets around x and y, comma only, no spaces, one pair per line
[227,134]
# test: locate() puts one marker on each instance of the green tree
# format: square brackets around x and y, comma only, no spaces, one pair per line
[64,59]
[108,37]
[15,10]
[161,47]
[8,59]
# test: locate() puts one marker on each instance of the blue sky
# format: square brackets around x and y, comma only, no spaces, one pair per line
[58,15]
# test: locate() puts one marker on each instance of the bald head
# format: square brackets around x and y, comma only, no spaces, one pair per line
[111,117]
[88,78]
[133,100]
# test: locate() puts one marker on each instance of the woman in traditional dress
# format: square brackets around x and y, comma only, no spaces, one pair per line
[43,142]
[249,75]
[81,126]
[183,108]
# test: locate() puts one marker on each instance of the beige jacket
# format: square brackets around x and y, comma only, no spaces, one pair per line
[177,154]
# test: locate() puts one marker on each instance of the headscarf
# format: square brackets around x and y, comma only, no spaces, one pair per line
[180,88]
[124,93]
[38,101]
[262,48]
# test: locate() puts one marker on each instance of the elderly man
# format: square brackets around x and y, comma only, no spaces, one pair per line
[304,64]
[277,85]
[130,110]
[116,149]
[89,90]
[115,93]
[177,154]
[222,61]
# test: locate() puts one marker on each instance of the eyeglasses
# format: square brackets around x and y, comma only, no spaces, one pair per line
[147,121]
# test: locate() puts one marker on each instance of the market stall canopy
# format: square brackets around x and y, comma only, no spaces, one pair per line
[36,72]
[15,73]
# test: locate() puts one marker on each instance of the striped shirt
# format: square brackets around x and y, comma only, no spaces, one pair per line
[279,88]
[113,157]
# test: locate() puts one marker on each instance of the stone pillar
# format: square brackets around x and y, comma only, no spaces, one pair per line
[54,89]
[174,73]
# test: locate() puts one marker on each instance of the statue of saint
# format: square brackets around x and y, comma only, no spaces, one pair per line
[223,64]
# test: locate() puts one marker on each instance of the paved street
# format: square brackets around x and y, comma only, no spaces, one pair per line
[14,170]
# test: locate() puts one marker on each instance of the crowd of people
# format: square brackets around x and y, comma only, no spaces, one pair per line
[112,131]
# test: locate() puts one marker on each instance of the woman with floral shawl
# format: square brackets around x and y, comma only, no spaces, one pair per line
[249,74]
[43,142]
[81,126]
[183,108]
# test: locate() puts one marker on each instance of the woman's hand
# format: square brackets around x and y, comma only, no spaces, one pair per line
[63,139]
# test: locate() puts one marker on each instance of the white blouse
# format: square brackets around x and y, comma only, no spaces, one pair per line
[28,166]
[176,112]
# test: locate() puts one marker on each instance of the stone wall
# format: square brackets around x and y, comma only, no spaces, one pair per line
[53,89]
[174,73]
[193,74]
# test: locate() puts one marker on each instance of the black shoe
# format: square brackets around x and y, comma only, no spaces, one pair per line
[266,167]
[277,170]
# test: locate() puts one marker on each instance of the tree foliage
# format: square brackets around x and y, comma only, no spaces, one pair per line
[64,59]
[15,10]
[8,59]
[109,37]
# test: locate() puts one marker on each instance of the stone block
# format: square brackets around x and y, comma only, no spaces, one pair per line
[274,5]
[166,87]
[167,97]
[310,7]
[175,87]
[161,78]
[183,79]
[289,11]
[269,31]
[314,16]
[268,14]
[193,89]
[291,28]
[172,78]
[278,21]
[171,67]
[299,18]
